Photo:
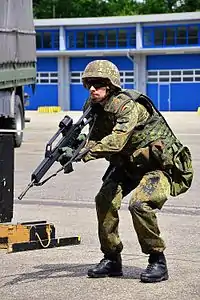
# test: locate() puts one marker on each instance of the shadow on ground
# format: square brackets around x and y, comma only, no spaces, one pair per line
[54,271]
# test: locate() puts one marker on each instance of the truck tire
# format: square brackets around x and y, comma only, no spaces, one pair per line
[18,122]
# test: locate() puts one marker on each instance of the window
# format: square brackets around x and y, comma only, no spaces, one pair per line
[47,39]
[101,38]
[38,40]
[71,40]
[90,39]
[47,77]
[181,36]
[148,37]
[176,79]
[170,36]
[44,74]
[80,39]
[152,79]
[164,73]
[111,39]
[188,72]
[175,73]
[193,35]
[56,40]
[122,39]
[164,79]
[152,73]
[54,74]
[75,77]
[187,78]
[159,36]
[132,38]
[45,80]
[173,76]
[126,77]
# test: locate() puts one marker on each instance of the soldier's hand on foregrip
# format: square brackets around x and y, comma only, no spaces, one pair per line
[66,155]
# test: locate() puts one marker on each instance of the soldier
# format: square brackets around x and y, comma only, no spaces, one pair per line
[145,158]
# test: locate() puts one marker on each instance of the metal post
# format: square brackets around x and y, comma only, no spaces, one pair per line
[6,177]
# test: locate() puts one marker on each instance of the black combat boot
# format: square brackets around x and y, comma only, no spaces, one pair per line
[156,270]
[108,266]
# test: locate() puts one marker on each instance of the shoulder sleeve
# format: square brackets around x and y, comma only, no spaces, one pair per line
[117,102]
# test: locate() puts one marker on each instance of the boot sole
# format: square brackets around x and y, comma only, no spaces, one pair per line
[151,280]
[93,275]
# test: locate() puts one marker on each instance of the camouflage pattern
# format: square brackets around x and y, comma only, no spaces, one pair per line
[124,128]
[141,148]
[102,69]
[151,190]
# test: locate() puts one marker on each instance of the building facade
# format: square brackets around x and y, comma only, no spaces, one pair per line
[156,54]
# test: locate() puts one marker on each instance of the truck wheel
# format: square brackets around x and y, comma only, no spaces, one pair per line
[18,122]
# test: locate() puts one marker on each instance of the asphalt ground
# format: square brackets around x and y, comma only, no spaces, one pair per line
[67,201]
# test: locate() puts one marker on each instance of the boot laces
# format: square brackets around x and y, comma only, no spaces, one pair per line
[102,261]
[150,267]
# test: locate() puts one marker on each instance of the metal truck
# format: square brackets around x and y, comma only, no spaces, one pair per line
[17,63]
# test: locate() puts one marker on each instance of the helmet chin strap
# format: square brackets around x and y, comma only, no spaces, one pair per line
[108,92]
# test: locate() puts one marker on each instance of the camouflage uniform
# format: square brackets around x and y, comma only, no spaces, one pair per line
[145,158]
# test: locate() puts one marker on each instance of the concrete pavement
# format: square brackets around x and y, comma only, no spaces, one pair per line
[67,201]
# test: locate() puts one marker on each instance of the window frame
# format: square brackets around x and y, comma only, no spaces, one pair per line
[48,77]
[73,32]
[174,76]
[53,33]
[151,31]
[126,77]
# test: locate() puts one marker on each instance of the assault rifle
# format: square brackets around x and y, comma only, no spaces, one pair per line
[69,133]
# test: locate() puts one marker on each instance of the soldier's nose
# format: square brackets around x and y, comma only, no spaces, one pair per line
[92,88]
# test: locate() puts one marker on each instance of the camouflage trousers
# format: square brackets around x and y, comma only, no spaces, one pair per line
[149,190]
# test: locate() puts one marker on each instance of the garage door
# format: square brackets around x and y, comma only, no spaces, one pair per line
[46,91]
[173,81]
[78,94]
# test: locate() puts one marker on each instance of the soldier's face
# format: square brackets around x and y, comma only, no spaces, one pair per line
[98,90]
[98,94]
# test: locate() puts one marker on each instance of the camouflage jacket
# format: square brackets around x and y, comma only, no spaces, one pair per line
[129,127]
[126,123]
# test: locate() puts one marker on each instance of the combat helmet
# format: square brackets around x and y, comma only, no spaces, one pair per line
[102,69]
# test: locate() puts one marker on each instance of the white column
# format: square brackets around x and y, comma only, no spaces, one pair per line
[62,39]
[138,36]
[139,63]
[140,72]
[63,83]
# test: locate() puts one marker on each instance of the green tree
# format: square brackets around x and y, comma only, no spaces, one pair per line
[101,8]
[188,6]
[122,7]
[69,8]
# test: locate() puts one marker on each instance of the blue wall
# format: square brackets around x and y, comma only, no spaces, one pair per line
[79,63]
[45,94]
[183,96]
[173,61]
[78,94]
